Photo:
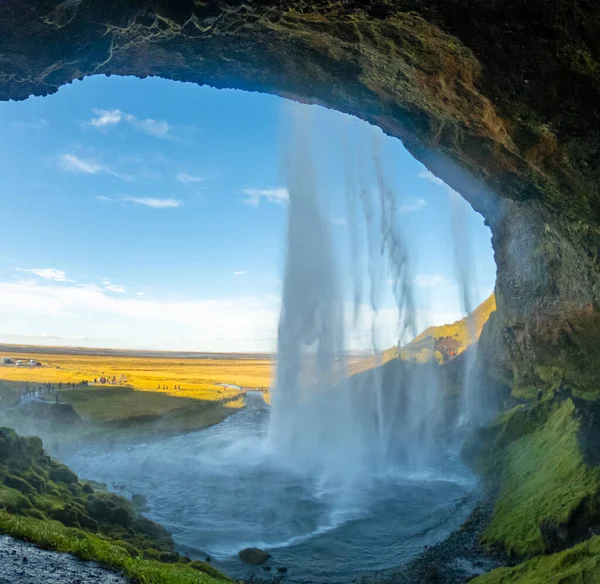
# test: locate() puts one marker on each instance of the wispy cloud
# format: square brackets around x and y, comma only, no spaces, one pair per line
[73,163]
[47,273]
[34,125]
[188,179]
[109,118]
[114,288]
[412,206]
[108,285]
[154,202]
[240,273]
[255,196]
[428,175]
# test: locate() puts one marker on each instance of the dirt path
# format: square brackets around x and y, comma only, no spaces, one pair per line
[26,564]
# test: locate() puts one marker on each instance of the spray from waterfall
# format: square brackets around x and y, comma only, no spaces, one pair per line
[470,408]
[325,421]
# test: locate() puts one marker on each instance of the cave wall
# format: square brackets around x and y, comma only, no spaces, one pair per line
[500,98]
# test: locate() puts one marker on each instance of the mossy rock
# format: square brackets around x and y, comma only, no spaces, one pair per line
[152,554]
[35,513]
[132,551]
[38,482]
[87,488]
[63,474]
[21,485]
[34,446]
[13,501]
[169,557]
[207,569]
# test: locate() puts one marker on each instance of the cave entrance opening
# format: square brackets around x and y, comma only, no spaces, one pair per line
[153,217]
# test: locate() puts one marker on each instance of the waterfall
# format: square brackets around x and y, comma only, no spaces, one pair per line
[326,422]
[470,406]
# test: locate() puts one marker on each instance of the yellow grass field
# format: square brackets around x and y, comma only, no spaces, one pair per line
[198,378]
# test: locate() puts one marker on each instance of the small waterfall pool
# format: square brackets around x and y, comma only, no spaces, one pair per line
[222,489]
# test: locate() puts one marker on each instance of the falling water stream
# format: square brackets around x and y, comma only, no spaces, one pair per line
[340,476]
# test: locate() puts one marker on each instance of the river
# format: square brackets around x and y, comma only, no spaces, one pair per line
[221,489]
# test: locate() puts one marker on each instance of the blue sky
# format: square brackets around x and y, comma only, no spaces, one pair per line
[152,214]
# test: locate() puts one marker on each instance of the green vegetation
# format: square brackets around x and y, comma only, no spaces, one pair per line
[123,408]
[578,565]
[446,341]
[44,502]
[544,479]
[548,495]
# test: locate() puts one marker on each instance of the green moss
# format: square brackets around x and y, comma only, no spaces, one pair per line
[43,501]
[543,475]
[53,535]
[578,565]
[21,485]
[204,567]
[62,474]
[13,501]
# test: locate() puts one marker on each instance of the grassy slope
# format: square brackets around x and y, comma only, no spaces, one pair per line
[544,478]
[43,502]
[534,451]
[458,330]
[577,565]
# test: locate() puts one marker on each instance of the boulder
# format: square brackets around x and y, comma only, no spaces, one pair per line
[63,474]
[254,556]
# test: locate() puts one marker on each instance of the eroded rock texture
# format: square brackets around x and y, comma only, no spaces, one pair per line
[500,98]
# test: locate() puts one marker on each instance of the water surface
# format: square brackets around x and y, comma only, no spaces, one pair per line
[222,489]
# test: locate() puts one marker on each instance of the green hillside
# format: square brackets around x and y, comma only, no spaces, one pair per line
[449,340]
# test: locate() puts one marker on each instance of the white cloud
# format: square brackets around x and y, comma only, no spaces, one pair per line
[73,163]
[432,281]
[154,202]
[254,196]
[412,206]
[156,128]
[102,198]
[47,273]
[428,175]
[107,118]
[188,179]
[243,323]
[240,273]
[114,288]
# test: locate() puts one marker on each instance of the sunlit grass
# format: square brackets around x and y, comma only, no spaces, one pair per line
[87,546]
[198,378]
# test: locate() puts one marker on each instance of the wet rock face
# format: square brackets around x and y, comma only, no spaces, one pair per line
[500,99]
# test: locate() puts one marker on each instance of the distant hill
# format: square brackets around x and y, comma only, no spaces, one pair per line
[440,342]
[449,340]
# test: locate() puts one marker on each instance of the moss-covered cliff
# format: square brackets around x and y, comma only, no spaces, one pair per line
[44,502]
